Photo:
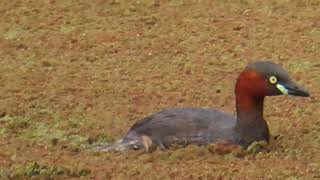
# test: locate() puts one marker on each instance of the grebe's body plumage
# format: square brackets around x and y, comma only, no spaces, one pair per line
[200,126]
[190,126]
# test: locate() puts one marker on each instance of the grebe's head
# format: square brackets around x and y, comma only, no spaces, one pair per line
[265,78]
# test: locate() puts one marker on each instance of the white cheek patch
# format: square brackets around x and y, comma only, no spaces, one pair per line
[282,89]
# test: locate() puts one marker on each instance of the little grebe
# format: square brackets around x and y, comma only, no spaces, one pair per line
[200,126]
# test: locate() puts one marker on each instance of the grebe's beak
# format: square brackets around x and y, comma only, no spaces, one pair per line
[292,88]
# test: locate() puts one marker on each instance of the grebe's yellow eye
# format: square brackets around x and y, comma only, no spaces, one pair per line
[273,79]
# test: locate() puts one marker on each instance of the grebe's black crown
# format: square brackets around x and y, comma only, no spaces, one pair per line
[268,68]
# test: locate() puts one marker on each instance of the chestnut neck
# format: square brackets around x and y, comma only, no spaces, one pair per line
[250,125]
[249,109]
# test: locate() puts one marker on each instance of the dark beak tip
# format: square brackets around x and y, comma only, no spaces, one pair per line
[301,93]
[296,90]
[307,94]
